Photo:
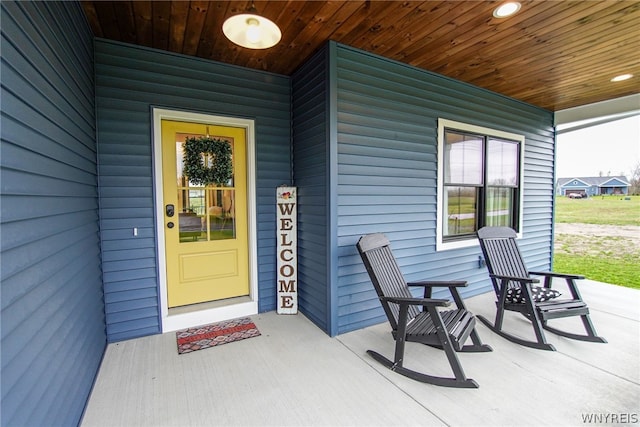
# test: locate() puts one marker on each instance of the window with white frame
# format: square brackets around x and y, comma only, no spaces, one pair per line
[479,181]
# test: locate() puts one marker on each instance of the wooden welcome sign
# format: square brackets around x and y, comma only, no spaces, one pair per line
[287,253]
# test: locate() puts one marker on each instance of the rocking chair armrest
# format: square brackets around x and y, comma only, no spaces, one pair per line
[515,278]
[428,286]
[558,275]
[439,283]
[417,301]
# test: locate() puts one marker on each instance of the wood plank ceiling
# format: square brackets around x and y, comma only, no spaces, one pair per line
[553,54]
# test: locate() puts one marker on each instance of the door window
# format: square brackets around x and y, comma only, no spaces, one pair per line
[205,212]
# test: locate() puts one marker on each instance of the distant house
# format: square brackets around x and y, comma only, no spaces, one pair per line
[593,185]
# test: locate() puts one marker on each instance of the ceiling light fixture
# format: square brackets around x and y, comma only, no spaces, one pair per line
[506,9]
[251,30]
[621,77]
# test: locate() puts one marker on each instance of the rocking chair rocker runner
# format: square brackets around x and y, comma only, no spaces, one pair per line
[419,319]
[515,292]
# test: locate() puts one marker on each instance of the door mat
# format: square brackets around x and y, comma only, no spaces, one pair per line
[206,336]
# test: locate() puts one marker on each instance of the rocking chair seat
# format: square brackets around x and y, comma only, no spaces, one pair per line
[562,308]
[458,323]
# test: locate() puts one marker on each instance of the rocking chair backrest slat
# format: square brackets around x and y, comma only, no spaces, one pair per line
[505,258]
[385,274]
[501,252]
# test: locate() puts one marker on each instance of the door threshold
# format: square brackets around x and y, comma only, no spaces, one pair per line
[208,305]
[209,312]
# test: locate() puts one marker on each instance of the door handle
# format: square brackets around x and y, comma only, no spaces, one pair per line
[170,210]
[170,225]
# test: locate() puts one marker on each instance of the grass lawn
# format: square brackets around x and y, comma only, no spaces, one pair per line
[612,210]
[604,259]
[625,272]
[612,259]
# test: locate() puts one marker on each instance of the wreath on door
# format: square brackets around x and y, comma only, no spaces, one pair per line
[218,153]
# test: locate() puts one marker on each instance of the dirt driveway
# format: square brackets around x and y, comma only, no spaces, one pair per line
[592,239]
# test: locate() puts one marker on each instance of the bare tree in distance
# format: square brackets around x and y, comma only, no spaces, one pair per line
[634,179]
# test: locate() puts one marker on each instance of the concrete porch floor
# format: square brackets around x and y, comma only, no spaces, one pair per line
[296,375]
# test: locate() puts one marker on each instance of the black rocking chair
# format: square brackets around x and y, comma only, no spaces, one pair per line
[419,319]
[515,292]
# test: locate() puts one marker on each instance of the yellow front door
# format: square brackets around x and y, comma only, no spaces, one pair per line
[205,225]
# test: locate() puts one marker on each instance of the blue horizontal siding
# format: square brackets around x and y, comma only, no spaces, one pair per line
[53,330]
[310,121]
[387,115]
[129,81]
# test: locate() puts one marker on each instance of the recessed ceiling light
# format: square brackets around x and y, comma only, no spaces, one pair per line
[506,9]
[621,77]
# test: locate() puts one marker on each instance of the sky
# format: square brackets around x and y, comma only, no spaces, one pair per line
[611,148]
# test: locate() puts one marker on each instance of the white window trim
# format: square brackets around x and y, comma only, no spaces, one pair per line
[465,127]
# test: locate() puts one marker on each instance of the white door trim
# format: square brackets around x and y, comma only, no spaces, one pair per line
[173,322]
